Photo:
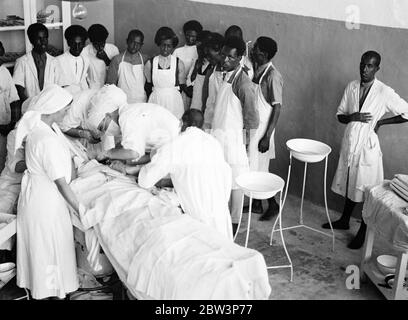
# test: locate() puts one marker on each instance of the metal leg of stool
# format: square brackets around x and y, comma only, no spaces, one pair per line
[325,202]
[249,221]
[303,194]
[282,239]
[240,217]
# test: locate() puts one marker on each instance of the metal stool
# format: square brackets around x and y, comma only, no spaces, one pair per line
[307,151]
[261,186]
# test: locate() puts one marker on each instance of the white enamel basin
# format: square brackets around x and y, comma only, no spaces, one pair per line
[308,150]
[260,185]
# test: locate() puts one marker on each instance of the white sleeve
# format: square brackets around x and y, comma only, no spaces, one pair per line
[12,92]
[18,74]
[133,134]
[396,105]
[158,168]
[343,106]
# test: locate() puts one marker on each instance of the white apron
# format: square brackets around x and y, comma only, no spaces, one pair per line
[197,99]
[46,262]
[165,92]
[260,161]
[132,80]
[227,128]
[214,84]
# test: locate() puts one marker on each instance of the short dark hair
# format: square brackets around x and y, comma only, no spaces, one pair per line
[97,33]
[236,43]
[193,25]
[372,54]
[135,33]
[34,29]
[216,42]
[234,29]
[193,118]
[166,33]
[203,36]
[75,31]
[267,45]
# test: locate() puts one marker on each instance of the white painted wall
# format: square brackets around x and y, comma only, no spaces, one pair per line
[387,13]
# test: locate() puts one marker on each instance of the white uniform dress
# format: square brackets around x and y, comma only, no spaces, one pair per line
[259,161]
[97,67]
[8,94]
[146,126]
[131,80]
[188,55]
[71,72]
[227,127]
[200,175]
[360,148]
[25,74]
[165,92]
[46,262]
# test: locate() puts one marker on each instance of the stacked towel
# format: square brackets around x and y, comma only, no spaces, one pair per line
[400,185]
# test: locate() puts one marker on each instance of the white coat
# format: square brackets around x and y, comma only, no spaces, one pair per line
[46,262]
[8,94]
[65,74]
[200,175]
[97,67]
[146,126]
[25,74]
[360,148]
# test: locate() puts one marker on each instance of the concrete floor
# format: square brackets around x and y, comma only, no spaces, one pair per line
[319,273]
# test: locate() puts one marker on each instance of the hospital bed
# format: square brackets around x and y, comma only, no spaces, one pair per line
[157,251]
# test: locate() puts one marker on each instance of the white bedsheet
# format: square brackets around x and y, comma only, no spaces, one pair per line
[160,252]
[384,211]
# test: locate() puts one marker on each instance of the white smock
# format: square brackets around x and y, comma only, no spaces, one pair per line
[8,94]
[97,67]
[227,127]
[200,175]
[165,92]
[25,74]
[146,126]
[259,161]
[71,72]
[360,153]
[131,80]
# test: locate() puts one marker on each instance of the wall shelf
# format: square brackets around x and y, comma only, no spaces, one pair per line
[12,28]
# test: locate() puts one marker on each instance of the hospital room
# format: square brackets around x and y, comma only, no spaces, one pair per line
[270,165]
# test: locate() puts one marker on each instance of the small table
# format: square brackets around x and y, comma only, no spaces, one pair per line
[384,216]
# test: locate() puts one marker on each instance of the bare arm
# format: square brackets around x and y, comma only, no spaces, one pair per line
[67,193]
[20,166]
[356,116]
[118,154]
[82,133]
[21,93]
[393,120]
[263,145]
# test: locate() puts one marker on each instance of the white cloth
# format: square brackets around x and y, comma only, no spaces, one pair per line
[385,213]
[163,254]
[51,99]
[71,72]
[146,126]
[360,147]
[131,80]
[97,67]
[200,175]
[108,99]
[46,263]
[8,94]
[25,74]
[227,127]
[259,161]
[165,92]
[197,99]
[214,84]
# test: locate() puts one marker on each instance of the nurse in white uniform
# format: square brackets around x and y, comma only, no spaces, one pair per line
[127,69]
[46,263]
[99,54]
[166,73]
[198,171]
[71,68]
[188,53]
[269,83]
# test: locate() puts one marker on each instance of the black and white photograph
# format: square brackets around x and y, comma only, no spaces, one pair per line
[202,156]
